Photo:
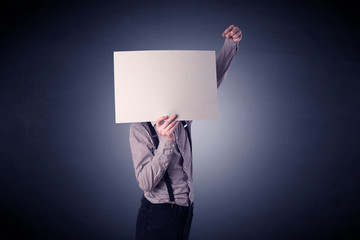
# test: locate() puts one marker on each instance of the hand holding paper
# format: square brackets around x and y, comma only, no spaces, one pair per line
[165,126]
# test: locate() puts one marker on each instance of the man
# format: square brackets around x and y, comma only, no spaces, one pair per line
[163,164]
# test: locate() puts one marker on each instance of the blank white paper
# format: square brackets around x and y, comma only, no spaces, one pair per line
[151,84]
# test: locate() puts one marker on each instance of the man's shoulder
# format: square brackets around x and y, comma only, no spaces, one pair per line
[139,127]
[137,124]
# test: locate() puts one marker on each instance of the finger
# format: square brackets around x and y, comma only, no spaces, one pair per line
[235,30]
[228,36]
[171,118]
[170,126]
[238,38]
[164,130]
[234,36]
[160,119]
[173,128]
[169,130]
[237,35]
[227,30]
[167,122]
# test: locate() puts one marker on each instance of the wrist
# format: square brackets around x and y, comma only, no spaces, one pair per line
[168,139]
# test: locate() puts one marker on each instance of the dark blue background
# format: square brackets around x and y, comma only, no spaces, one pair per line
[281,162]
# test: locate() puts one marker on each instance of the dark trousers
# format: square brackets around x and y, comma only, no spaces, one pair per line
[163,221]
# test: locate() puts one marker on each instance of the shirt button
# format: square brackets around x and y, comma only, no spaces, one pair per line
[185,168]
[171,150]
[188,182]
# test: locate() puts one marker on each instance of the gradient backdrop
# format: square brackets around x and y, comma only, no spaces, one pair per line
[281,162]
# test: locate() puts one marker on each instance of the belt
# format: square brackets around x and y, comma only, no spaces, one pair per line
[145,201]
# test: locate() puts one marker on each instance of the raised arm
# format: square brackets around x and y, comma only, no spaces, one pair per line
[233,36]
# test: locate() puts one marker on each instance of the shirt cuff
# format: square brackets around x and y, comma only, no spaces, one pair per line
[166,149]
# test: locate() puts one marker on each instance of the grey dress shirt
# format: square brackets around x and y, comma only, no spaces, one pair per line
[150,164]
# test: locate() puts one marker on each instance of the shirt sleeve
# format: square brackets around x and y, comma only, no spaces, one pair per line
[224,59]
[150,164]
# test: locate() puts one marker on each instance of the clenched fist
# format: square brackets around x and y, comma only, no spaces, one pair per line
[232,33]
